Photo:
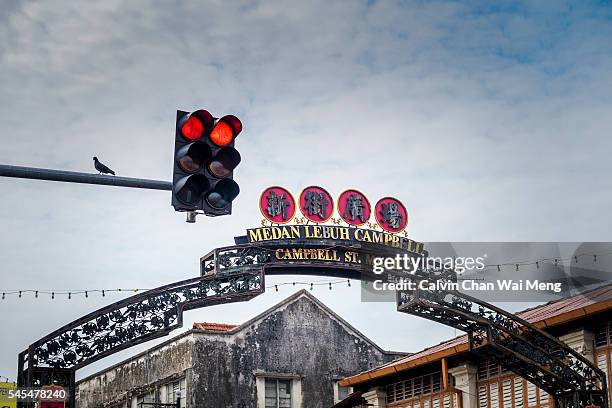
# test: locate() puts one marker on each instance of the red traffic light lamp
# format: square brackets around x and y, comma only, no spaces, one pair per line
[193,125]
[226,130]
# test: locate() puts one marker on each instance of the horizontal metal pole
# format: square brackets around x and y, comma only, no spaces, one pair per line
[35,173]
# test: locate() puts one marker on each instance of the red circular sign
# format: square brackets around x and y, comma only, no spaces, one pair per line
[391,214]
[354,207]
[316,204]
[277,205]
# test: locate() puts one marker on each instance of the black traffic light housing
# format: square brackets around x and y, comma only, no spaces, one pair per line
[204,163]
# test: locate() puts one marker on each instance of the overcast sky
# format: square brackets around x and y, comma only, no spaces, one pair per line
[491,123]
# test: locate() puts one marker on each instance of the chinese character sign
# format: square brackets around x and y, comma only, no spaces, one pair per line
[316,204]
[277,205]
[354,207]
[391,214]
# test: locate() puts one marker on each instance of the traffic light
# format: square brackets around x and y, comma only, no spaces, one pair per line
[204,161]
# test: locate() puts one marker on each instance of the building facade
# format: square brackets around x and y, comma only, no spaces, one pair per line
[290,356]
[449,376]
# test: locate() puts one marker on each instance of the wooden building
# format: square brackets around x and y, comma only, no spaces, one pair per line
[449,376]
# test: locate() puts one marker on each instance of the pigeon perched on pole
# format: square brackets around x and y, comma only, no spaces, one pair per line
[101,167]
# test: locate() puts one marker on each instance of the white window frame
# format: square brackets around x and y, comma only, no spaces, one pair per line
[296,387]
[337,391]
[168,392]
[276,386]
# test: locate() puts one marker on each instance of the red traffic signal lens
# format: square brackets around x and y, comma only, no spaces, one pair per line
[222,134]
[226,130]
[192,129]
[193,126]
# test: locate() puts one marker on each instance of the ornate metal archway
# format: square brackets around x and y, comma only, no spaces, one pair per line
[237,273]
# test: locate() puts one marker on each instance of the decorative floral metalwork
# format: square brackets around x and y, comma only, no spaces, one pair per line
[208,265]
[239,257]
[138,319]
[511,341]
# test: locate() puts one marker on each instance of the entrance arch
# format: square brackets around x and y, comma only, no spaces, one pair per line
[237,273]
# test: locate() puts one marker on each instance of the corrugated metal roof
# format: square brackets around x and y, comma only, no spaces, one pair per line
[549,314]
[570,304]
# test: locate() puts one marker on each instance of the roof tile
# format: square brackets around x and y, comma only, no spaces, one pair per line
[220,327]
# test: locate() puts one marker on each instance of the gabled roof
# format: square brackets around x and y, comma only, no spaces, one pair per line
[301,294]
[548,315]
[223,329]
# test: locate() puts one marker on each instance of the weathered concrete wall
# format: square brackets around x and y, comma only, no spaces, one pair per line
[133,378]
[300,338]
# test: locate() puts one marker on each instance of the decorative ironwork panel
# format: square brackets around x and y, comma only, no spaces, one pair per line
[240,257]
[137,319]
[512,342]
[207,264]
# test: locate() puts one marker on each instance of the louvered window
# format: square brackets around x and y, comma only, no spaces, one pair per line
[414,387]
[498,388]
[507,393]
[483,397]
[518,392]
[603,335]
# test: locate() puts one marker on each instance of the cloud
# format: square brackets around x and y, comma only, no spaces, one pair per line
[489,121]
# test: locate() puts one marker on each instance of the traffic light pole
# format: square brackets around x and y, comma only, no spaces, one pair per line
[35,173]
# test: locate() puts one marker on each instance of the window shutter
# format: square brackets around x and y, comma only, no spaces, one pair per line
[507,393]
[518,392]
[482,397]
[531,395]
[494,395]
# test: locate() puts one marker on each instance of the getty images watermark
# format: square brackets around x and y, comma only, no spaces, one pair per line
[496,271]
[406,265]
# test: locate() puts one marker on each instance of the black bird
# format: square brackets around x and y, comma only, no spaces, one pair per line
[101,167]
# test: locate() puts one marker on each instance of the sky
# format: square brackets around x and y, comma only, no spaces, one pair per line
[489,121]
